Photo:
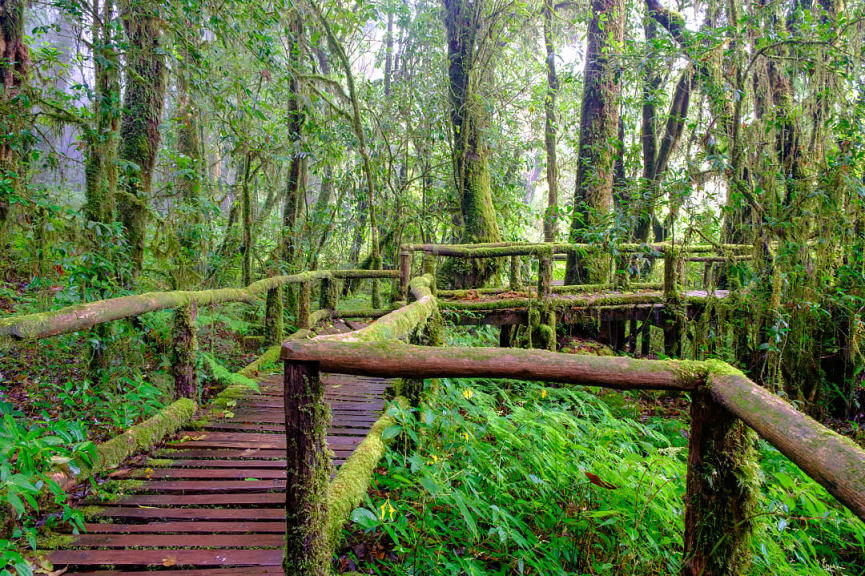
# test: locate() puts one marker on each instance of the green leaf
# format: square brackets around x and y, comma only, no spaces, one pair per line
[364,518]
[391,431]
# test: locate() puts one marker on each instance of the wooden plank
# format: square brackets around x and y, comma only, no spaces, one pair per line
[187,528]
[234,453]
[211,485]
[246,571]
[209,557]
[171,540]
[206,473]
[192,514]
[250,498]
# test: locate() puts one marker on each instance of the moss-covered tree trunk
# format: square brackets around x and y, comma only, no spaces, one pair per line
[599,121]
[550,127]
[247,239]
[142,112]
[189,167]
[468,68]
[14,70]
[308,464]
[100,167]
[185,350]
[721,491]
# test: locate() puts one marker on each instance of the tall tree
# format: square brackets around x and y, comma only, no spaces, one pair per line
[550,128]
[599,120]
[142,113]
[14,70]
[101,163]
[469,73]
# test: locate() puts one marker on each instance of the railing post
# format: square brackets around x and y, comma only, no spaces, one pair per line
[273,317]
[307,547]
[516,274]
[545,276]
[328,298]
[674,315]
[721,491]
[185,346]
[404,273]
[303,305]
[428,266]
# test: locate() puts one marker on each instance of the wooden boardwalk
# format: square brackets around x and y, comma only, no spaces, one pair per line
[217,507]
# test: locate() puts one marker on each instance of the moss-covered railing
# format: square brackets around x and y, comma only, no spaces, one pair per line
[726,409]
[185,304]
[544,304]
[317,508]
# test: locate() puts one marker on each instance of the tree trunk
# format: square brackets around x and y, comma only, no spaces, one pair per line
[142,113]
[190,174]
[550,128]
[599,119]
[464,20]
[246,212]
[14,71]
[101,164]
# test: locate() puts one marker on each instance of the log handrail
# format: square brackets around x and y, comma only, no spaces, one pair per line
[833,461]
[505,249]
[83,316]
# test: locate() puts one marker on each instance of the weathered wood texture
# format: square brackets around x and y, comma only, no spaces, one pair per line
[212,503]
[496,250]
[307,552]
[83,316]
[403,360]
[834,461]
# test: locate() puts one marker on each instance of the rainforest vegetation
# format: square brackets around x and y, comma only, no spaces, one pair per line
[184,146]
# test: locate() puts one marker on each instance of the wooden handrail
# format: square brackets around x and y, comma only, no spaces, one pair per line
[831,460]
[501,250]
[398,360]
[83,316]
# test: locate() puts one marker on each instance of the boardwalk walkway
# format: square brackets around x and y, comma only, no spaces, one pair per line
[212,501]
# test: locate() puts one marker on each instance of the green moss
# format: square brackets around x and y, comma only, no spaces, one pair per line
[159,462]
[54,541]
[144,436]
[354,476]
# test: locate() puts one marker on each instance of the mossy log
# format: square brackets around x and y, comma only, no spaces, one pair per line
[353,478]
[84,316]
[363,312]
[111,453]
[834,461]
[501,250]
[594,300]
[399,324]
[398,360]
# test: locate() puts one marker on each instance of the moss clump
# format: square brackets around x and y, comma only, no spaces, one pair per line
[55,541]
[354,476]
[160,462]
[144,436]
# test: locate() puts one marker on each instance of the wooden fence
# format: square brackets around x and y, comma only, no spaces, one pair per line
[725,407]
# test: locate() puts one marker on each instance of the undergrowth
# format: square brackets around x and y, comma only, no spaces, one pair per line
[494,478]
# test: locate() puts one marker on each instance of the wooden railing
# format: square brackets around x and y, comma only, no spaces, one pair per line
[670,296]
[720,487]
[85,316]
